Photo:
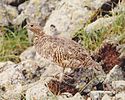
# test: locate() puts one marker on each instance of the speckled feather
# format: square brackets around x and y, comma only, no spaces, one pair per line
[62,51]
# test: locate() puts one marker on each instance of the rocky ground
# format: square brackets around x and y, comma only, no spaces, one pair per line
[97,25]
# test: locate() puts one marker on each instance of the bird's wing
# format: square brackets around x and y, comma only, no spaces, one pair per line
[66,52]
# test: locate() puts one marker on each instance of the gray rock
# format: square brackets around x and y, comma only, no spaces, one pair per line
[77,96]
[5,65]
[23,6]
[13,94]
[114,75]
[3,16]
[69,17]
[29,53]
[37,11]
[97,95]
[5,79]
[18,77]
[106,97]
[105,22]
[119,96]
[8,13]
[12,12]
[99,24]
[39,91]
[118,85]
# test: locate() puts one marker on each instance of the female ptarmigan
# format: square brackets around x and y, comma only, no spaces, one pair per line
[62,51]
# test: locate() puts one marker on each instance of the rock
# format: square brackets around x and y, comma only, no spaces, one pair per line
[120,96]
[66,18]
[5,79]
[118,85]
[8,13]
[23,6]
[97,95]
[77,96]
[37,11]
[108,21]
[12,12]
[5,65]
[29,53]
[39,91]
[114,75]
[99,24]
[14,93]
[3,17]
[18,77]
[69,17]
[106,97]
[24,72]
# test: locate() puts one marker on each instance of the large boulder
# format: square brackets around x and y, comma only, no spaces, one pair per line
[37,11]
[8,13]
[69,16]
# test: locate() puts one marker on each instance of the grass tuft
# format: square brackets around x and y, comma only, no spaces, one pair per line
[91,41]
[13,43]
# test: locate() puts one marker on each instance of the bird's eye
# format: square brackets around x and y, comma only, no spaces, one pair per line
[31,25]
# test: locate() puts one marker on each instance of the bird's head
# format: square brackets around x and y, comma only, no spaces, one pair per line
[35,28]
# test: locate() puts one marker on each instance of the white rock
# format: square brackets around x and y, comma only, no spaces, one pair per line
[39,92]
[37,11]
[5,76]
[120,96]
[99,24]
[106,97]
[12,12]
[29,53]
[14,93]
[114,75]
[28,71]
[3,17]
[5,65]
[77,96]
[23,6]
[118,85]
[97,95]
[67,16]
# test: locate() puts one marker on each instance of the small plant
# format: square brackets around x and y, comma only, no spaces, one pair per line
[92,41]
[13,43]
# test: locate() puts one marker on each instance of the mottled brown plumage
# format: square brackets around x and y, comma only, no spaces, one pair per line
[62,51]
